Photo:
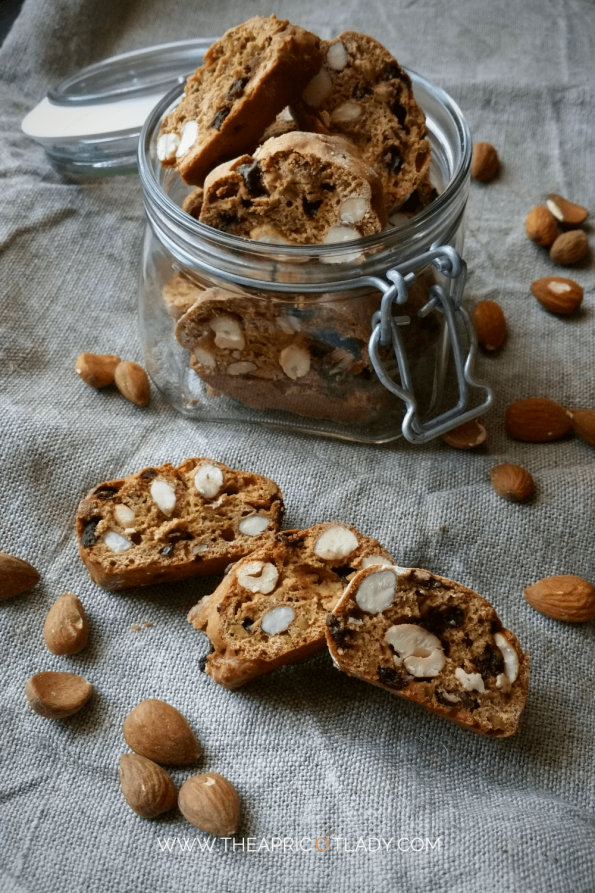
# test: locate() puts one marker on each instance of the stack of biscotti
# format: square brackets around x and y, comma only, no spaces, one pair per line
[292,140]
[287,593]
[309,358]
[268,79]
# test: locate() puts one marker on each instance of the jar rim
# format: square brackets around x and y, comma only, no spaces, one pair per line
[399,232]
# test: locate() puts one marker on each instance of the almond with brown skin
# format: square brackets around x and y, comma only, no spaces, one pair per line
[158,731]
[512,482]
[565,597]
[557,294]
[485,164]
[66,628]
[541,226]
[490,325]
[583,424]
[568,213]
[570,247]
[466,436]
[16,575]
[147,788]
[211,803]
[536,420]
[57,695]
[133,382]
[97,369]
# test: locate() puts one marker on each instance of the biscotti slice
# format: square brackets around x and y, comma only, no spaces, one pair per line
[271,608]
[421,197]
[309,358]
[179,294]
[432,641]
[337,547]
[192,204]
[168,523]
[361,92]
[299,188]
[283,123]
[248,76]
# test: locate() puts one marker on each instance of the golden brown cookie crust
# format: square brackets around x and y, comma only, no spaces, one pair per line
[248,348]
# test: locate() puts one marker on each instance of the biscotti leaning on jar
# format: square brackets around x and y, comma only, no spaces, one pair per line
[248,76]
[432,641]
[169,523]
[362,93]
[271,608]
[268,78]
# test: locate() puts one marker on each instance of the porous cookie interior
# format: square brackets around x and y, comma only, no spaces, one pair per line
[338,547]
[166,522]
[363,93]
[473,685]
[307,592]
[300,188]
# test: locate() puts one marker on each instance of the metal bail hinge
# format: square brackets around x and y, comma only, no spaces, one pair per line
[385,331]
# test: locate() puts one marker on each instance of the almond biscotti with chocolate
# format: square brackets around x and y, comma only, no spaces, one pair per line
[248,76]
[432,641]
[298,188]
[307,357]
[361,92]
[271,608]
[169,523]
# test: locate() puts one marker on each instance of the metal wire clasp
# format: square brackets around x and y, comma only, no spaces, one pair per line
[385,331]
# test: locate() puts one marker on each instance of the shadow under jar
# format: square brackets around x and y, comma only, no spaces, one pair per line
[365,341]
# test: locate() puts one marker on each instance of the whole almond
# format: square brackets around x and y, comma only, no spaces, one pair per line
[583,423]
[557,294]
[466,436]
[133,383]
[541,226]
[97,369]
[66,628]
[485,164]
[565,597]
[211,803]
[147,788]
[512,482]
[490,325]
[158,731]
[536,420]
[570,247]
[566,212]
[16,575]
[57,695]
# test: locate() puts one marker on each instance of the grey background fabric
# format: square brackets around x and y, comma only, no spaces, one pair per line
[310,751]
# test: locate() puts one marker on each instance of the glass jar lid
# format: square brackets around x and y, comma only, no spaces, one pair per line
[89,124]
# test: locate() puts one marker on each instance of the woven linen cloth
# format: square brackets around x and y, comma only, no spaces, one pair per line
[312,753]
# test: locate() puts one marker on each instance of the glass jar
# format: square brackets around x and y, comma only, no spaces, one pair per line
[365,340]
